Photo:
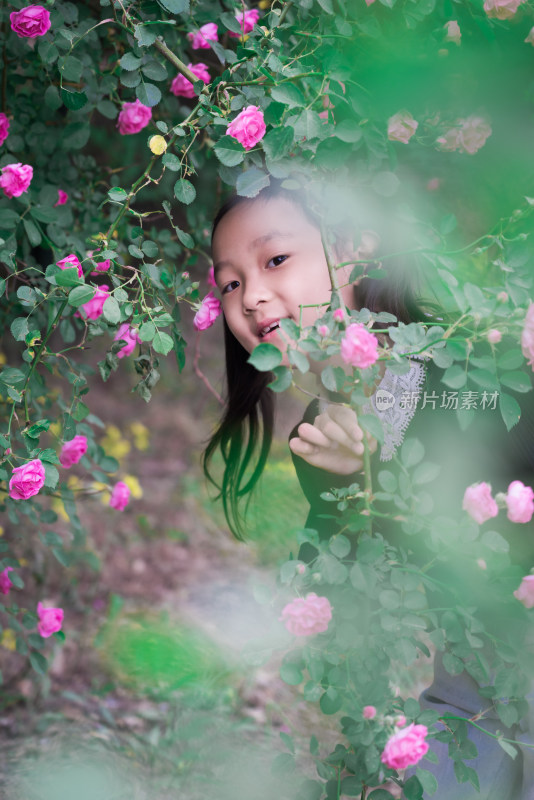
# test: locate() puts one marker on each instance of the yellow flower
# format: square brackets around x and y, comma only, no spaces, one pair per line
[23,562]
[114,444]
[134,486]
[59,508]
[8,639]
[157,144]
[263,4]
[55,429]
[1,531]
[141,435]
[74,482]
[2,358]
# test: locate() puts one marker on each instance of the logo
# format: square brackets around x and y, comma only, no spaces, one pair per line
[384,400]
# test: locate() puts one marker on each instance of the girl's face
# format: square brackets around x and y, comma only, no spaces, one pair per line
[269,261]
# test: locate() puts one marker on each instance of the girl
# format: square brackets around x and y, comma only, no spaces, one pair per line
[270,264]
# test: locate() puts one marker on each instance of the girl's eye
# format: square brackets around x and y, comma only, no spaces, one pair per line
[230,287]
[276,261]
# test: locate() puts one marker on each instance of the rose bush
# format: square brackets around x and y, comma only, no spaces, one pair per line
[78,201]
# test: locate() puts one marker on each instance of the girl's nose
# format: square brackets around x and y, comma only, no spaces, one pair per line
[254,294]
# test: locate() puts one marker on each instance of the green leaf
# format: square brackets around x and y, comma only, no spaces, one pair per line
[412,789]
[298,360]
[130,62]
[68,277]
[155,71]
[288,94]
[229,151]
[150,249]
[508,748]
[184,191]
[170,161]
[455,377]
[510,410]
[517,381]
[71,68]
[73,100]
[340,546]
[81,295]
[283,378]
[51,475]
[278,142]
[175,6]
[372,425]
[251,182]
[145,35]
[412,452]
[265,357]
[117,194]
[107,109]
[291,674]
[147,331]
[19,328]
[331,701]
[162,343]
[185,238]
[52,99]
[348,131]
[427,472]
[148,94]
[38,662]
[381,794]
[32,232]
[111,310]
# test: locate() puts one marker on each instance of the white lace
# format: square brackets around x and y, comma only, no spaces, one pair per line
[396,418]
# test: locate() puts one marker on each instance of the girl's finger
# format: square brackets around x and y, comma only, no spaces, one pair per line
[312,434]
[302,448]
[336,433]
[346,418]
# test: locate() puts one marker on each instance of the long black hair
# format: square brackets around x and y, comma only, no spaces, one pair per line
[244,433]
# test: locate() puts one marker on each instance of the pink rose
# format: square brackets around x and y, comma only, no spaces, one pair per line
[323,330]
[453,32]
[473,134]
[16,179]
[530,37]
[306,616]
[181,87]
[248,127]
[400,722]
[468,135]
[101,266]
[527,336]
[369,3]
[5,583]
[502,297]
[339,315]
[200,40]
[247,19]
[433,185]
[50,620]
[30,21]
[520,502]
[479,503]
[133,117]
[73,451]
[369,712]
[130,336]
[525,593]
[210,280]
[502,9]
[27,480]
[71,261]
[4,128]
[359,347]
[494,336]
[94,308]
[207,313]
[401,127]
[119,496]
[406,747]
[62,198]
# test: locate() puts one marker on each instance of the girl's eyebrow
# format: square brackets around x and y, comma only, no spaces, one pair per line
[254,245]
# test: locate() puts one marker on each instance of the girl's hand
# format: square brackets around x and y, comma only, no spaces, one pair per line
[334,442]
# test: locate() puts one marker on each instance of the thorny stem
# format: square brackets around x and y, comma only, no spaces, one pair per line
[331,269]
[160,45]
[200,374]
[445,717]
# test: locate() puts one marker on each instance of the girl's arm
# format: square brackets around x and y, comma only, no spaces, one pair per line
[334,442]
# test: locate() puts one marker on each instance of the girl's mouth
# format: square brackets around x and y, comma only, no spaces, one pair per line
[268,328]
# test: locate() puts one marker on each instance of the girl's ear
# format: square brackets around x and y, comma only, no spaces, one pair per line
[346,252]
